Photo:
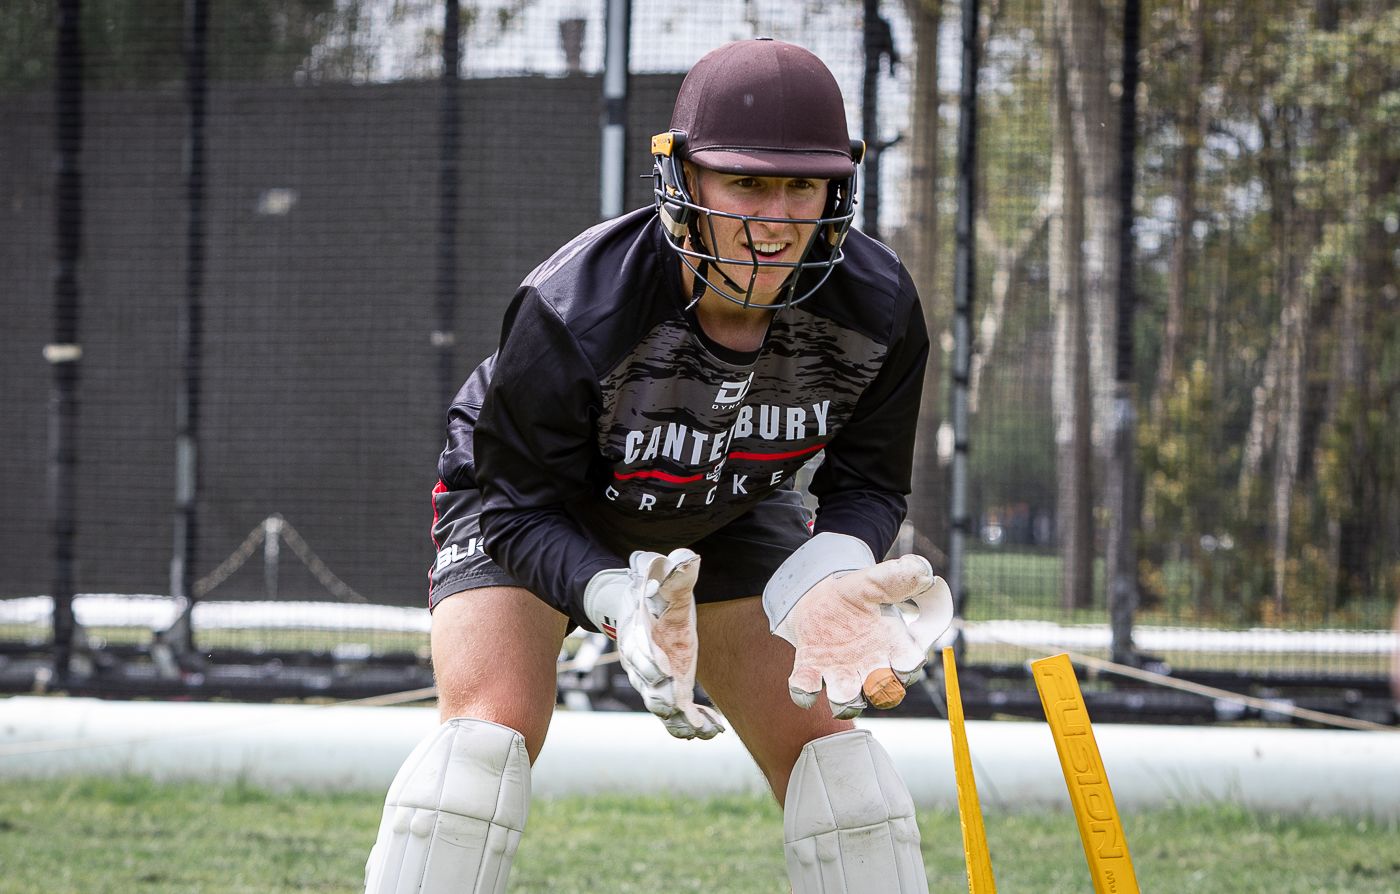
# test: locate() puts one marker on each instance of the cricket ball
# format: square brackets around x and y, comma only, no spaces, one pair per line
[883,689]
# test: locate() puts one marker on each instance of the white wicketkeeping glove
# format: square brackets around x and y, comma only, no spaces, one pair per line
[649,608]
[846,616]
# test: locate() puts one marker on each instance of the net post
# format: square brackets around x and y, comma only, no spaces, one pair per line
[444,336]
[870,116]
[1120,488]
[617,49]
[65,352]
[176,641]
[964,282]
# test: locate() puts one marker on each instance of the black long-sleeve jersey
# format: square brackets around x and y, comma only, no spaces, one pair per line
[607,421]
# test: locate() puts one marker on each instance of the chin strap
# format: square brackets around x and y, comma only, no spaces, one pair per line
[701,283]
[698,291]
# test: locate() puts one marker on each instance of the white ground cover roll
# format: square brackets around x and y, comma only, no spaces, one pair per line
[291,746]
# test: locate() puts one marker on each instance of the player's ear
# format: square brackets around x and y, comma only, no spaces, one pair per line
[692,181]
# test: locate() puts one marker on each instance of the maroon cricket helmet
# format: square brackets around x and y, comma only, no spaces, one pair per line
[767,108]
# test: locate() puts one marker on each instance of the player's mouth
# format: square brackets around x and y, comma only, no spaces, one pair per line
[767,251]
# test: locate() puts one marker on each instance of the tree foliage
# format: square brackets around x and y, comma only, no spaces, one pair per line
[1268,324]
[128,43]
[1274,425]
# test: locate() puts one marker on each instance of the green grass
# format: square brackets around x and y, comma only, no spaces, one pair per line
[1372,664]
[1007,584]
[132,836]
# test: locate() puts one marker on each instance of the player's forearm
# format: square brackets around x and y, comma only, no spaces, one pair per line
[869,515]
[545,549]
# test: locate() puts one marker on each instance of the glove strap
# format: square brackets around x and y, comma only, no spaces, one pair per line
[824,555]
[608,600]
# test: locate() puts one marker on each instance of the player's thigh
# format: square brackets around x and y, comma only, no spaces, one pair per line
[495,650]
[745,669]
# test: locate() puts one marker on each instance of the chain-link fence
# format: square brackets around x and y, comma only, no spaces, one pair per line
[249,249]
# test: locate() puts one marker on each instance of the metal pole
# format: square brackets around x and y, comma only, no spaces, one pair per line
[179,638]
[444,337]
[870,120]
[1121,489]
[617,50]
[964,282]
[65,351]
[272,554]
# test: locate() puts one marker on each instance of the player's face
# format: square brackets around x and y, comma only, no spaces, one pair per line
[765,241]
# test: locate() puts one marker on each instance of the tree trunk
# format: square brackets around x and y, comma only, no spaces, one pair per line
[1007,272]
[1290,421]
[918,241]
[1083,28]
[1349,524]
[1370,273]
[1305,281]
[1263,423]
[1189,127]
[1288,346]
[1359,520]
[1070,380]
[918,246]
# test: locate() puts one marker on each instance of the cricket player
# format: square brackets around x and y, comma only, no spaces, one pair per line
[625,461]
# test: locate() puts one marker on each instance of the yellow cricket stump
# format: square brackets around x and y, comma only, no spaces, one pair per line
[1100,829]
[974,833]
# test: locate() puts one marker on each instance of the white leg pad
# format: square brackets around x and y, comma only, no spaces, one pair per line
[848,823]
[454,813]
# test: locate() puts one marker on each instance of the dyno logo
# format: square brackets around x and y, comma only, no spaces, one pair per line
[730,393]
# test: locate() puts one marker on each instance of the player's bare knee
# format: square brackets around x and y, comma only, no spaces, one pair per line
[778,765]
[513,683]
[528,724]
